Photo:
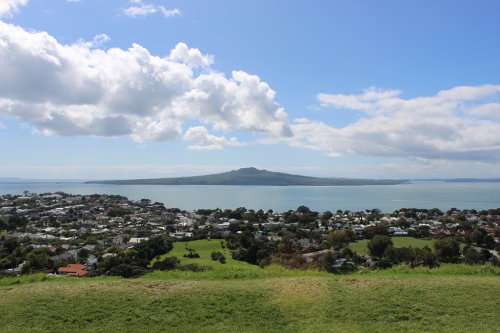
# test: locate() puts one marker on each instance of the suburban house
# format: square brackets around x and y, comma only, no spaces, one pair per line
[73,270]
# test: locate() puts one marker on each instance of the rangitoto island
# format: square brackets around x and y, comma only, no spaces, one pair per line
[253,176]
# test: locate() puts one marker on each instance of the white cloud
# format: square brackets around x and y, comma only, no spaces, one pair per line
[206,141]
[80,89]
[491,110]
[2,126]
[444,126]
[242,103]
[139,8]
[9,7]
[96,42]
[192,57]
[356,102]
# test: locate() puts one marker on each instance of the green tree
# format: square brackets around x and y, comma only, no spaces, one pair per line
[378,244]
[337,239]
[168,263]
[83,254]
[477,237]
[447,249]
[472,257]
[379,229]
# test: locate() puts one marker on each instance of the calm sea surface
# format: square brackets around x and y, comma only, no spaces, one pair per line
[440,195]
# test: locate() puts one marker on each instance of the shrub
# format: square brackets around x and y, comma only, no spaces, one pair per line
[127,271]
[166,264]
[218,256]
[378,244]
[447,249]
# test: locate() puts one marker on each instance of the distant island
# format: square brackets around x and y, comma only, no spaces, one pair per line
[253,176]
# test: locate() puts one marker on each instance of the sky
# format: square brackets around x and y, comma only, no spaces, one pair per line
[93,89]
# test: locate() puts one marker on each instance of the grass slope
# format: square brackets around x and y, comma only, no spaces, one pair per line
[245,298]
[287,304]
[204,248]
[360,246]
[232,269]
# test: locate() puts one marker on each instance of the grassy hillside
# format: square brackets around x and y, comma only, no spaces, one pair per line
[286,304]
[360,246]
[204,248]
[244,298]
[232,269]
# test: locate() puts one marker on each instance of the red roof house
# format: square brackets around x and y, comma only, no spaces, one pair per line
[73,270]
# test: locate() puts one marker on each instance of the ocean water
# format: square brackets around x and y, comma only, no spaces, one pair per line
[442,195]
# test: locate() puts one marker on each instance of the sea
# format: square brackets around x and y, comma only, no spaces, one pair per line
[387,198]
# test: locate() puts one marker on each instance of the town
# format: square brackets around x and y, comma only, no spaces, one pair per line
[89,235]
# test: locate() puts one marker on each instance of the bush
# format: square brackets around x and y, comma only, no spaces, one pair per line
[166,264]
[447,249]
[192,253]
[378,244]
[127,271]
[218,256]
[383,263]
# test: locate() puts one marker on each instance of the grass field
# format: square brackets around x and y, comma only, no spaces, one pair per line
[204,248]
[232,269]
[453,298]
[360,246]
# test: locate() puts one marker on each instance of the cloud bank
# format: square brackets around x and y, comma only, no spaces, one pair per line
[456,124]
[82,89]
[87,90]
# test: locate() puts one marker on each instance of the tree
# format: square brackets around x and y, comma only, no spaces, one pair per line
[168,263]
[350,234]
[83,254]
[337,239]
[425,257]
[477,237]
[472,257]
[303,210]
[16,221]
[447,249]
[379,229]
[218,256]
[378,244]
[326,215]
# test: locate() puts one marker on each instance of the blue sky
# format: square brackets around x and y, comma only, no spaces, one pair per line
[150,88]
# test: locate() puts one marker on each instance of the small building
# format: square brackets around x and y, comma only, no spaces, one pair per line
[73,270]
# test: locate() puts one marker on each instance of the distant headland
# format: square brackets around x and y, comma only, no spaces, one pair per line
[253,176]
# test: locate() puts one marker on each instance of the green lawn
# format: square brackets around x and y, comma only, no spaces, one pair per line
[238,297]
[413,303]
[204,248]
[230,270]
[360,246]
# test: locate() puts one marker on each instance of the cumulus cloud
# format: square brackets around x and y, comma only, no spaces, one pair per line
[81,89]
[242,102]
[140,8]
[206,141]
[9,7]
[455,124]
